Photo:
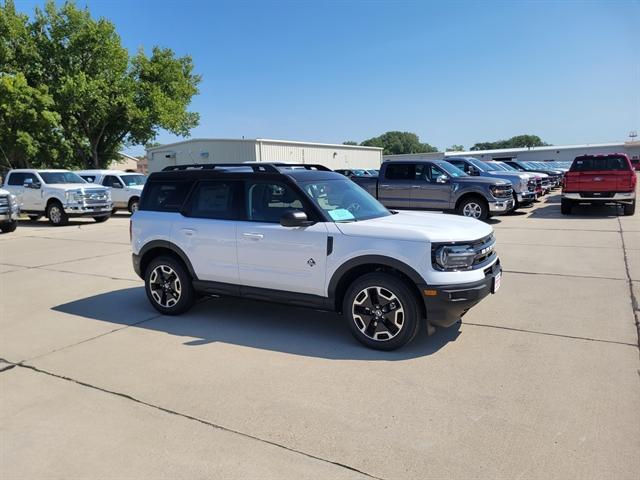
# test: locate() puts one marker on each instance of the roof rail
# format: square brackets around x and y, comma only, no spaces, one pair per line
[256,167]
[306,166]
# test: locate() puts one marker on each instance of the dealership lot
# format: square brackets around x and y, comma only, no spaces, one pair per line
[539,381]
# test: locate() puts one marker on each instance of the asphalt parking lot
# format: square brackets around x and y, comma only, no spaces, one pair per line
[539,381]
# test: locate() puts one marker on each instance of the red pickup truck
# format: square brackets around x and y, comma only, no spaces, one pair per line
[599,179]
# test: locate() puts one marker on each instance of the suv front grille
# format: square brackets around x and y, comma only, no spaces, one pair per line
[485,251]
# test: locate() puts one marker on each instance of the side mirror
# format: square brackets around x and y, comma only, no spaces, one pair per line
[442,179]
[29,183]
[473,171]
[295,218]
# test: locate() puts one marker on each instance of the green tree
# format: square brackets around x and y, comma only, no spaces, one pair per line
[455,148]
[104,97]
[350,142]
[30,134]
[395,143]
[519,141]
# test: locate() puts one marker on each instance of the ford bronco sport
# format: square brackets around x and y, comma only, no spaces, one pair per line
[305,235]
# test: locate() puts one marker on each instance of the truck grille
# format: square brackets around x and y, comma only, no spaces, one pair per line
[4,204]
[502,191]
[94,196]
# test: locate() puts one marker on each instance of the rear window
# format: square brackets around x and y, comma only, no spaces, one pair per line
[215,199]
[164,196]
[586,164]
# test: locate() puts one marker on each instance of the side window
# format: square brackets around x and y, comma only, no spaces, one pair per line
[423,172]
[16,178]
[435,173]
[164,196]
[464,166]
[89,178]
[110,181]
[400,171]
[267,202]
[215,199]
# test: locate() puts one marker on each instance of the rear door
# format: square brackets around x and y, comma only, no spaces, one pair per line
[394,190]
[275,257]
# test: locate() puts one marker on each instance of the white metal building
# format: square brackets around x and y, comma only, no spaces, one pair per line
[540,154]
[217,150]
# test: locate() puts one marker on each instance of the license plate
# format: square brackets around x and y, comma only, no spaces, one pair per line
[496,282]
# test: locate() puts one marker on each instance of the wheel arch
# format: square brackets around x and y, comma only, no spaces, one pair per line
[356,267]
[156,248]
[471,194]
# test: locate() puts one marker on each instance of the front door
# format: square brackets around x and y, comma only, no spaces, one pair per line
[429,193]
[28,198]
[118,196]
[271,256]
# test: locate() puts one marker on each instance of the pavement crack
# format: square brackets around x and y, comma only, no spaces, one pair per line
[635,306]
[570,275]
[195,419]
[561,335]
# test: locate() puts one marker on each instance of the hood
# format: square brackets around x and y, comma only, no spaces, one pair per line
[512,176]
[479,180]
[135,187]
[75,186]
[419,226]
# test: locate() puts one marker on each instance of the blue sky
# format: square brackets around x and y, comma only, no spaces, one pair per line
[453,72]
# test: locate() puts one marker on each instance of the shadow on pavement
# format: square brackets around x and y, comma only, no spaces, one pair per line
[552,210]
[253,324]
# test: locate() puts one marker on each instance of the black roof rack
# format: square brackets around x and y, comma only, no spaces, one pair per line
[255,166]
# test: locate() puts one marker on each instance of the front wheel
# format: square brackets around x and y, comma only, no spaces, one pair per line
[474,208]
[168,286]
[382,312]
[9,226]
[56,215]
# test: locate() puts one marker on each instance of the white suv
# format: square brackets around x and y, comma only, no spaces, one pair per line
[308,237]
[125,187]
[58,194]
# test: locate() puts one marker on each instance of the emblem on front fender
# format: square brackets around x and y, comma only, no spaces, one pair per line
[311,262]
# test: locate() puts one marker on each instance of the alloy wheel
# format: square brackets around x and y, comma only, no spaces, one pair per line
[378,313]
[165,286]
[55,214]
[472,209]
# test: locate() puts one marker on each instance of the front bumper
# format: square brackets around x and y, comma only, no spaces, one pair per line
[501,206]
[620,197]
[81,210]
[9,214]
[526,197]
[451,302]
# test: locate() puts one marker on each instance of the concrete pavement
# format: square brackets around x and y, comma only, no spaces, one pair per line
[539,381]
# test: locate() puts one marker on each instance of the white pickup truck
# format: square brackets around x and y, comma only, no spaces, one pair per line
[58,195]
[9,211]
[126,187]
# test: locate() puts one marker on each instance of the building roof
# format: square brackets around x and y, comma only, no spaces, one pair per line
[534,149]
[258,140]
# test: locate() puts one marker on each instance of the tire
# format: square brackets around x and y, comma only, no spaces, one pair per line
[9,226]
[35,218]
[102,219]
[474,207]
[376,329]
[630,208]
[133,205]
[56,215]
[113,211]
[516,203]
[565,206]
[165,277]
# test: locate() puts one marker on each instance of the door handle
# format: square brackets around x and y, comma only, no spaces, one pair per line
[415,186]
[189,232]
[253,236]
[386,187]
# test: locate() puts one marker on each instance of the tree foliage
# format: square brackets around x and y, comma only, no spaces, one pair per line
[519,141]
[396,143]
[456,148]
[350,142]
[103,96]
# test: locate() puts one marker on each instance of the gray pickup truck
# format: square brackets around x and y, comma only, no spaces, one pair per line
[438,185]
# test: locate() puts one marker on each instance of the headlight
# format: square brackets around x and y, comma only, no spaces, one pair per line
[523,184]
[453,257]
[74,196]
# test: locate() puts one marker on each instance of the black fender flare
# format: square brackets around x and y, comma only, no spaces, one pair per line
[402,267]
[166,244]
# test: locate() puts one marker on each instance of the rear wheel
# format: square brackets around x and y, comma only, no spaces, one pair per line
[133,205]
[630,208]
[168,286]
[9,226]
[474,207]
[565,206]
[56,215]
[382,312]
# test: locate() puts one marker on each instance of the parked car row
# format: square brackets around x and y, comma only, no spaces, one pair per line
[62,194]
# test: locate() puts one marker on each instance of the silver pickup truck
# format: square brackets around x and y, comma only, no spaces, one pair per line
[438,185]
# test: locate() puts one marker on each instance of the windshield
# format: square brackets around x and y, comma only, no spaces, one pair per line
[489,166]
[61,177]
[452,170]
[344,201]
[132,180]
